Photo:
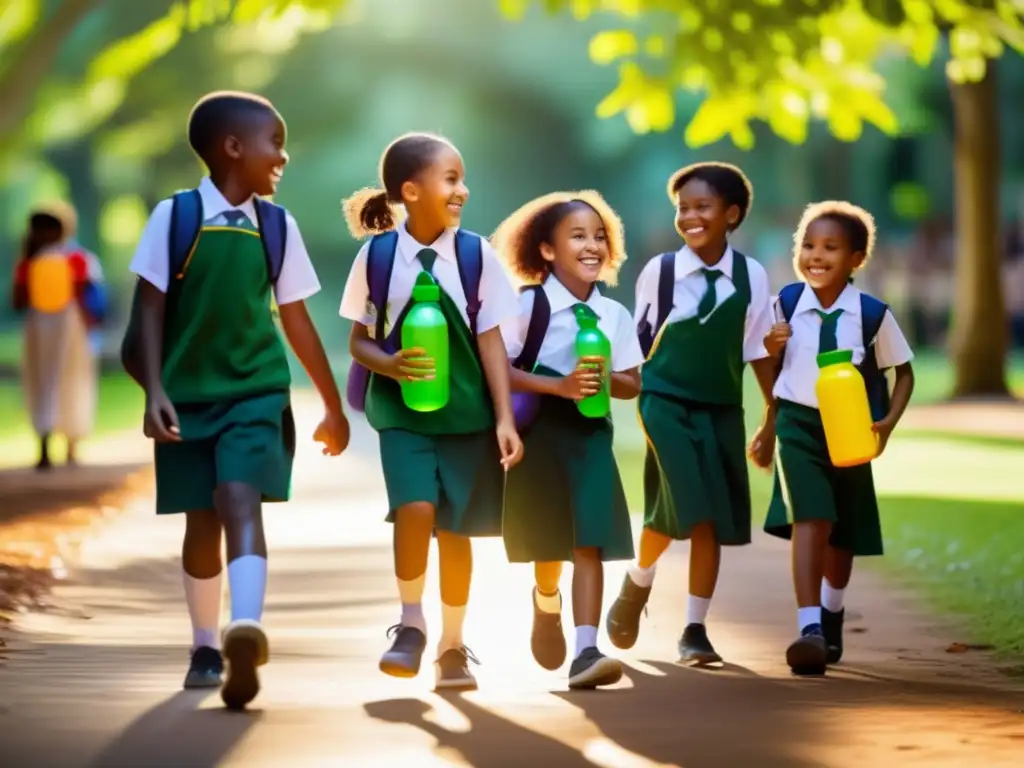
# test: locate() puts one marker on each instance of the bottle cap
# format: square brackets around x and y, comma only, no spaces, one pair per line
[585,316]
[835,357]
[425,289]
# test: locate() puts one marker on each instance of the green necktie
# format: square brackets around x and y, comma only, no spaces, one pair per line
[583,309]
[827,335]
[427,257]
[710,297]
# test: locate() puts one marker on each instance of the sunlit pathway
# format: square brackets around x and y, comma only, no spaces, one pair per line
[97,682]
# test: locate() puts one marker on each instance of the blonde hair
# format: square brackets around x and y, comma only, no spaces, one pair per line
[519,237]
[857,222]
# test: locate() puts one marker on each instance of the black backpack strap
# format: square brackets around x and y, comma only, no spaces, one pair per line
[540,317]
[741,276]
[183,234]
[872,314]
[666,287]
[380,263]
[272,221]
[469,255]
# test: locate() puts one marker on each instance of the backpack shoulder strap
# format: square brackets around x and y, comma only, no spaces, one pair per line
[872,313]
[469,254]
[186,224]
[273,223]
[789,297]
[666,287]
[741,276]
[380,261]
[540,317]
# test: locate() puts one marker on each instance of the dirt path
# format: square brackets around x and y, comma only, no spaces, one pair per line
[96,680]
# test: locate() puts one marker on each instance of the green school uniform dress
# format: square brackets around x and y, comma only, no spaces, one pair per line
[226,372]
[691,411]
[449,457]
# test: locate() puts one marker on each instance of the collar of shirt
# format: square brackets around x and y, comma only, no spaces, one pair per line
[214,203]
[410,247]
[688,262]
[560,298]
[848,301]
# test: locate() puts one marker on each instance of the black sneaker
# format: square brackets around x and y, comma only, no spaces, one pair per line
[547,640]
[694,647]
[246,649]
[403,658]
[592,669]
[832,629]
[623,622]
[206,669]
[808,654]
[452,670]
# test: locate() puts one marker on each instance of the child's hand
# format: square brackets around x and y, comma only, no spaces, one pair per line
[333,432]
[405,368]
[510,444]
[762,446]
[776,338]
[883,429]
[584,381]
[161,420]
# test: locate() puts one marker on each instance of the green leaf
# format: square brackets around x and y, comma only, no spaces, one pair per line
[17,19]
[709,124]
[127,57]
[606,47]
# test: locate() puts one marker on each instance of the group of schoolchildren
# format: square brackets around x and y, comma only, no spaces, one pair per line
[204,344]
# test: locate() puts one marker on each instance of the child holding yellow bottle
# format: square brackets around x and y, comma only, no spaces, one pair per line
[829,512]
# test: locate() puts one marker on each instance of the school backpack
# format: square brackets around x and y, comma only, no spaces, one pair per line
[872,313]
[647,331]
[380,262]
[526,404]
[182,238]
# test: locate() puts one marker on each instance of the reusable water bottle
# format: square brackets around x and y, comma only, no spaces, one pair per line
[591,342]
[845,411]
[426,327]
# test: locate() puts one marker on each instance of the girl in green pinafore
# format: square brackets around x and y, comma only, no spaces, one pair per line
[565,501]
[702,314]
[830,513]
[443,469]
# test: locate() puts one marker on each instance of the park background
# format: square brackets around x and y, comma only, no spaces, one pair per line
[94,95]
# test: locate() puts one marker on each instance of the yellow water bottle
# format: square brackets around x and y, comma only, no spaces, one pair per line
[845,411]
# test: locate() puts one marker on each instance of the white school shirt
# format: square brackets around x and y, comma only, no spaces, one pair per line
[690,286]
[297,280]
[497,297]
[799,373]
[557,352]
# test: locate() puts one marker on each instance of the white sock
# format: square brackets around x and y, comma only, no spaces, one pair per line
[642,577]
[697,609]
[411,594]
[586,637]
[452,619]
[548,603]
[831,598]
[203,599]
[807,616]
[247,579]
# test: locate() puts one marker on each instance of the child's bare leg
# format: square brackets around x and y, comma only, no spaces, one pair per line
[652,547]
[623,622]
[44,453]
[414,524]
[455,561]
[203,568]
[547,640]
[705,559]
[72,454]
[837,571]
[239,507]
[807,655]
[590,668]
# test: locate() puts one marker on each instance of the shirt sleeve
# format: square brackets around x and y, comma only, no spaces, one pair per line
[626,352]
[891,347]
[298,280]
[355,301]
[647,293]
[498,299]
[514,328]
[760,313]
[151,261]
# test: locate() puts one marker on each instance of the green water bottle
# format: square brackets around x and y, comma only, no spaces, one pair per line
[426,327]
[591,342]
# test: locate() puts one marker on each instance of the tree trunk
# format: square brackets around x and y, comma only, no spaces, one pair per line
[979,335]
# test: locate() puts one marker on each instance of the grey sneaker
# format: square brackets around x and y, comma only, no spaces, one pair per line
[206,668]
[592,669]
[452,670]
[403,658]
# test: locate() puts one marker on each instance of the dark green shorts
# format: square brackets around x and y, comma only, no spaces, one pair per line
[808,487]
[461,475]
[249,441]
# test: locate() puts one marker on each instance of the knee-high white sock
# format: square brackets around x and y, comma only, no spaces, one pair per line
[247,579]
[831,598]
[203,599]
[452,619]
[411,594]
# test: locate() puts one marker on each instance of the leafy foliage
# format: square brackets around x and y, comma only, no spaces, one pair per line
[783,62]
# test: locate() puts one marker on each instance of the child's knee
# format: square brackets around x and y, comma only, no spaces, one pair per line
[415,514]
[586,555]
[237,504]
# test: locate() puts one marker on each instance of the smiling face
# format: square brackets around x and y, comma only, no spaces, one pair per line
[439,191]
[703,218]
[827,260]
[260,150]
[578,250]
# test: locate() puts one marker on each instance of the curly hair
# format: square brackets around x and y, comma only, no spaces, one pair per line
[519,237]
[856,223]
[728,181]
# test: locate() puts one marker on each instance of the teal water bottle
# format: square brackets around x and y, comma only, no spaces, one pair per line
[426,327]
[591,342]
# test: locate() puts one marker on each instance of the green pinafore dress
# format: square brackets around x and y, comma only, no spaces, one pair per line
[566,493]
[449,457]
[691,411]
[227,374]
